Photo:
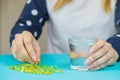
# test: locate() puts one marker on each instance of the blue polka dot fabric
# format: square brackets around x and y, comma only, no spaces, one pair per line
[35,14]
[31,19]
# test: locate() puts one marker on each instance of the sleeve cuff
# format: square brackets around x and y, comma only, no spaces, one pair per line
[115,42]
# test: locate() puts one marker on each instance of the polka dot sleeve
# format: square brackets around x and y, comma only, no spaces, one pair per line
[115,40]
[31,19]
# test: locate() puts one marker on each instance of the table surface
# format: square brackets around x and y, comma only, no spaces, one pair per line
[63,62]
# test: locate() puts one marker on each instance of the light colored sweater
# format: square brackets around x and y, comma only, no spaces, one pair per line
[80,18]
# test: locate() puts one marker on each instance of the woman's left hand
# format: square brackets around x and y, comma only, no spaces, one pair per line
[102,54]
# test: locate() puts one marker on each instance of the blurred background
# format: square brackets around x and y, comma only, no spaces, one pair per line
[9,13]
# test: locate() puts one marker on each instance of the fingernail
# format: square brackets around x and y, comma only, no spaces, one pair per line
[38,58]
[91,51]
[34,58]
[87,62]
[31,62]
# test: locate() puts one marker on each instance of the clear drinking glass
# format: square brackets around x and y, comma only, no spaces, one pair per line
[79,47]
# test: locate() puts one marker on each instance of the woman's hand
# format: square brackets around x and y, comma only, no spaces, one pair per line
[102,54]
[25,48]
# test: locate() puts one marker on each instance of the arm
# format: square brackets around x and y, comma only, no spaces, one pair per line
[115,40]
[27,29]
[32,19]
[105,53]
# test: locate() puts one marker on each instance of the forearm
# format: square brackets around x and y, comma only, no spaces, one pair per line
[31,19]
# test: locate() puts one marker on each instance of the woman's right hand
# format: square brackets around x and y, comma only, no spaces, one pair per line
[25,48]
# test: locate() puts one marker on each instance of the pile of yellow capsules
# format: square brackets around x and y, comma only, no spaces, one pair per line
[36,68]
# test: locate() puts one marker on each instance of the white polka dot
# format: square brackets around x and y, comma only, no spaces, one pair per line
[34,12]
[118,21]
[21,24]
[118,35]
[29,1]
[35,34]
[29,23]
[41,20]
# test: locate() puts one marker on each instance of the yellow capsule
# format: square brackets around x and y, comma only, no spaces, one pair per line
[47,72]
[11,67]
[27,65]
[17,69]
[34,67]
[37,62]
[38,72]
[59,71]
[29,71]
[22,70]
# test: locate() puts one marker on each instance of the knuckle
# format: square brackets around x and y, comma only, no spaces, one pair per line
[106,57]
[18,43]
[17,36]
[109,45]
[96,46]
[98,67]
[25,58]
[25,55]
[92,58]
[28,42]
[113,60]
[110,62]
[31,52]
[102,66]
[105,49]
[24,32]
[102,61]
[101,41]
[27,33]
[96,64]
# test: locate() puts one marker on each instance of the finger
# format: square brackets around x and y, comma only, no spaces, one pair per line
[100,67]
[27,39]
[113,52]
[97,46]
[101,52]
[37,49]
[112,61]
[14,49]
[20,57]
[22,53]
[101,61]
[108,63]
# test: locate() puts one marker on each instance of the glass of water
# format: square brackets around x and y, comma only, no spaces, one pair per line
[79,47]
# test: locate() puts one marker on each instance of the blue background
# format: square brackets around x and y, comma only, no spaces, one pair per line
[63,62]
